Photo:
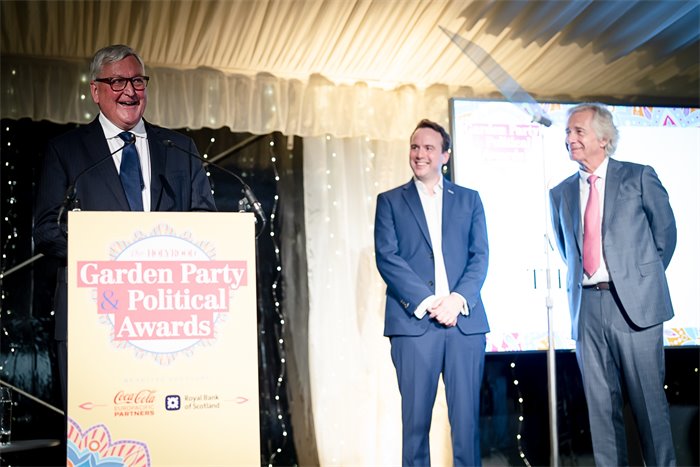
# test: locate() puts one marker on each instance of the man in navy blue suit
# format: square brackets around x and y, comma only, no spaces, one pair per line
[432,251]
[170,179]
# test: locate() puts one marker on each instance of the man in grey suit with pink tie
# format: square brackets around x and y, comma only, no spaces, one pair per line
[615,230]
[432,252]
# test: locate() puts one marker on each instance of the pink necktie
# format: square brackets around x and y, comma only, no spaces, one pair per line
[591,230]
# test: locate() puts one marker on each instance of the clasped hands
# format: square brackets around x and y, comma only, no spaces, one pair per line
[446,309]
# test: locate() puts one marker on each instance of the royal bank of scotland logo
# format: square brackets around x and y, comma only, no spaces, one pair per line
[162,293]
[172,402]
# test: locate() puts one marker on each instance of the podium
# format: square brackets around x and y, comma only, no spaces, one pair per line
[162,339]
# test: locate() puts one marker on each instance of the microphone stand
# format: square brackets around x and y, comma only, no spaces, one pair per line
[551,350]
[31,397]
[250,200]
[516,95]
[4,274]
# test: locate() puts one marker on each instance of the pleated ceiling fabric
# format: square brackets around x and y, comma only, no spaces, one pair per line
[343,67]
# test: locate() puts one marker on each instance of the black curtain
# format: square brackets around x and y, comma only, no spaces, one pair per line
[27,353]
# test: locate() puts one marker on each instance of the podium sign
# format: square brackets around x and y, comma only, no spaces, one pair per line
[162,339]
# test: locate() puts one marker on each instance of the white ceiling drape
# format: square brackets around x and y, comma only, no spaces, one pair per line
[343,67]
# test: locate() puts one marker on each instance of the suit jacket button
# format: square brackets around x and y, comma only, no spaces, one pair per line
[430,283]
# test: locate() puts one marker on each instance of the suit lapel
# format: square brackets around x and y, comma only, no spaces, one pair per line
[448,202]
[572,201]
[410,194]
[612,189]
[157,151]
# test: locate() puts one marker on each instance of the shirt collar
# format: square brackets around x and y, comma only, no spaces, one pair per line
[112,131]
[422,188]
[601,171]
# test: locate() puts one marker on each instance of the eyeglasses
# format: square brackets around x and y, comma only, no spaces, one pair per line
[119,84]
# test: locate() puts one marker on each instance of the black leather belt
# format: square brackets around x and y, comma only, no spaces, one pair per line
[600,286]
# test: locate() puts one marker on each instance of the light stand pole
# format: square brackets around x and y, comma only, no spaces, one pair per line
[551,368]
[551,350]
[515,94]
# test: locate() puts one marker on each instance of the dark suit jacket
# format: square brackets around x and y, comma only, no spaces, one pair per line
[178,183]
[405,255]
[639,237]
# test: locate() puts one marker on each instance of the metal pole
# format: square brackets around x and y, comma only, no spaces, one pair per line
[551,371]
[551,350]
[4,274]
[29,396]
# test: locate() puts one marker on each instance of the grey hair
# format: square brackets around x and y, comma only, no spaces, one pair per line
[602,124]
[111,54]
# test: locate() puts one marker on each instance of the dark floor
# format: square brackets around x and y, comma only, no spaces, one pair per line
[501,412]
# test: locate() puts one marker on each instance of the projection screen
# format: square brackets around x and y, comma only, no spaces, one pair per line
[513,162]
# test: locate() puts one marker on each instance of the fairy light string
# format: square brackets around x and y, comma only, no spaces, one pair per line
[279,327]
[521,416]
[9,237]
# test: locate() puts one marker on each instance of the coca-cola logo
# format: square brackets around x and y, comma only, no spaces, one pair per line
[144,396]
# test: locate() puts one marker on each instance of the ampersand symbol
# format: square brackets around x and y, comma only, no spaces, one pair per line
[109,302]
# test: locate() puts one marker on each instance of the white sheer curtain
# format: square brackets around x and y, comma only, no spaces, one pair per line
[355,398]
[58,91]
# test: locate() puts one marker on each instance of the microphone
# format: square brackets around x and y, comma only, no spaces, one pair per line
[541,119]
[69,197]
[247,191]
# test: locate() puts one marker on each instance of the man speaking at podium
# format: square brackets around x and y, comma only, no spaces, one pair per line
[118,162]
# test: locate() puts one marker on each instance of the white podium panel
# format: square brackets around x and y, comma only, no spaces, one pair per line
[162,339]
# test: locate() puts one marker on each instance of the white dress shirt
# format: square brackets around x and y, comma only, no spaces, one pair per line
[432,208]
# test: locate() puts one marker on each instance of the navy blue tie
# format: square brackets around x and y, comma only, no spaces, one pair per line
[130,172]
